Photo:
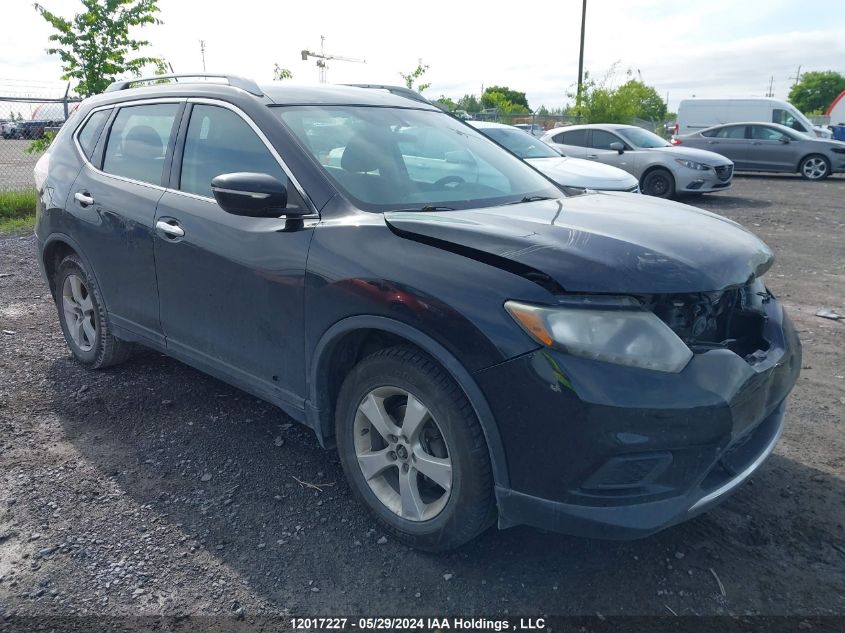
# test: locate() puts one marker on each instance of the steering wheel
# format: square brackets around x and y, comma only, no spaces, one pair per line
[449,180]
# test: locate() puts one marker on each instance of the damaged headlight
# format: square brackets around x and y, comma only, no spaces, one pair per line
[624,335]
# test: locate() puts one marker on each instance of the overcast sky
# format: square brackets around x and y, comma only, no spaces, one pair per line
[683,48]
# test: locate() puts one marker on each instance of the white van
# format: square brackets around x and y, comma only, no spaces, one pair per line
[697,114]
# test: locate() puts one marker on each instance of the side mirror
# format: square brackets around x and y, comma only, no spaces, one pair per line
[619,147]
[250,194]
[459,157]
[784,139]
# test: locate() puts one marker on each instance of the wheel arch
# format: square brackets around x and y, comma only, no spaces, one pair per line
[810,154]
[56,247]
[655,167]
[352,338]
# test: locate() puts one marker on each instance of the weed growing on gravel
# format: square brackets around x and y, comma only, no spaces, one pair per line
[17,210]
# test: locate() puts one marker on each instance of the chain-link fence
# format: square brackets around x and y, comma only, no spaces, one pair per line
[27,113]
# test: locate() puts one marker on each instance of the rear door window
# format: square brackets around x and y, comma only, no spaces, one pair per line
[138,142]
[575,137]
[733,131]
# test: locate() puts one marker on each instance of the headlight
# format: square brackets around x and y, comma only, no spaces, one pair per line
[624,335]
[691,164]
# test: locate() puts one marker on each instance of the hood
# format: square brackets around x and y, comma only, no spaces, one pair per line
[600,242]
[575,172]
[691,153]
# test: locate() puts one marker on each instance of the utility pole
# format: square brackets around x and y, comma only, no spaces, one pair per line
[771,92]
[797,76]
[581,54]
[202,52]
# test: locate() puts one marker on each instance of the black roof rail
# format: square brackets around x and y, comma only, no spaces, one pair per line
[234,80]
[400,91]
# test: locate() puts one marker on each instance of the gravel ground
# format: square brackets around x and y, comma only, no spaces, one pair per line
[15,164]
[151,488]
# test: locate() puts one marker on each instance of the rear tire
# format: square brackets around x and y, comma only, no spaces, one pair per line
[814,167]
[659,183]
[83,317]
[401,417]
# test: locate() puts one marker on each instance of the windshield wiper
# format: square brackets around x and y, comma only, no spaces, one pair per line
[425,209]
[531,199]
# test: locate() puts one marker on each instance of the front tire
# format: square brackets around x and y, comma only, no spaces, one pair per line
[659,183]
[413,450]
[814,167]
[83,317]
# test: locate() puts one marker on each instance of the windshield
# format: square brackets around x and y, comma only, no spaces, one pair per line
[520,143]
[396,158]
[640,138]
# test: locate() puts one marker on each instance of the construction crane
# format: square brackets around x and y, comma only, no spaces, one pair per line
[322,58]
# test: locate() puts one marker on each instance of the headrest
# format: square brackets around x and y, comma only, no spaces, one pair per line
[365,152]
[145,135]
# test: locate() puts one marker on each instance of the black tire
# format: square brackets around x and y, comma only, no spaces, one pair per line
[659,183]
[820,173]
[471,507]
[106,349]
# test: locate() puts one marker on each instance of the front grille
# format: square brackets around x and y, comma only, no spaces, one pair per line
[724,172]
[730,319]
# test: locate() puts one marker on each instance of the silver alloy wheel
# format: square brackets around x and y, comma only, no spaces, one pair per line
[402,454]
[814,168]
[79,312]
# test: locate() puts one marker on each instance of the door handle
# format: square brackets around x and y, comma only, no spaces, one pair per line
[712,142]
[84,198]
[170,228]
[593,156]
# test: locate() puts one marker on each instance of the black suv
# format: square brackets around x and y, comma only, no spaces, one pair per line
[476,342]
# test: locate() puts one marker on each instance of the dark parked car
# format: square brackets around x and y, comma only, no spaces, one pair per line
[476,343]
[770,147]
[34,129]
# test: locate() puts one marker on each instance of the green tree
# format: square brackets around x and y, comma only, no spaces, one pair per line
[95,47]
[643,99]
[280,73]
[470,103]
[500,101]
[503,93]
[412,77]
[602,103]
[447,103]
[816,90]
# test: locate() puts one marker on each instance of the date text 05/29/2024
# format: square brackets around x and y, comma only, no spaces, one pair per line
[416,624]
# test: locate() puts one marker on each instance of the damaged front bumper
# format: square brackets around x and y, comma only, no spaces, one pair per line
[606,451]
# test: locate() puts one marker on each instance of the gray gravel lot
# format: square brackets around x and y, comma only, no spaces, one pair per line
[151,488]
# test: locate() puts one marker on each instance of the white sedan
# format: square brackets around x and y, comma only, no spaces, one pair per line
[564,170]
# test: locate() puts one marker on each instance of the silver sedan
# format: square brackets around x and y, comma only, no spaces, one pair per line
[770,147]
[663,170]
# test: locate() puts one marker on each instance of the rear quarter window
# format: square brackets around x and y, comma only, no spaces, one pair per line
[91,130]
